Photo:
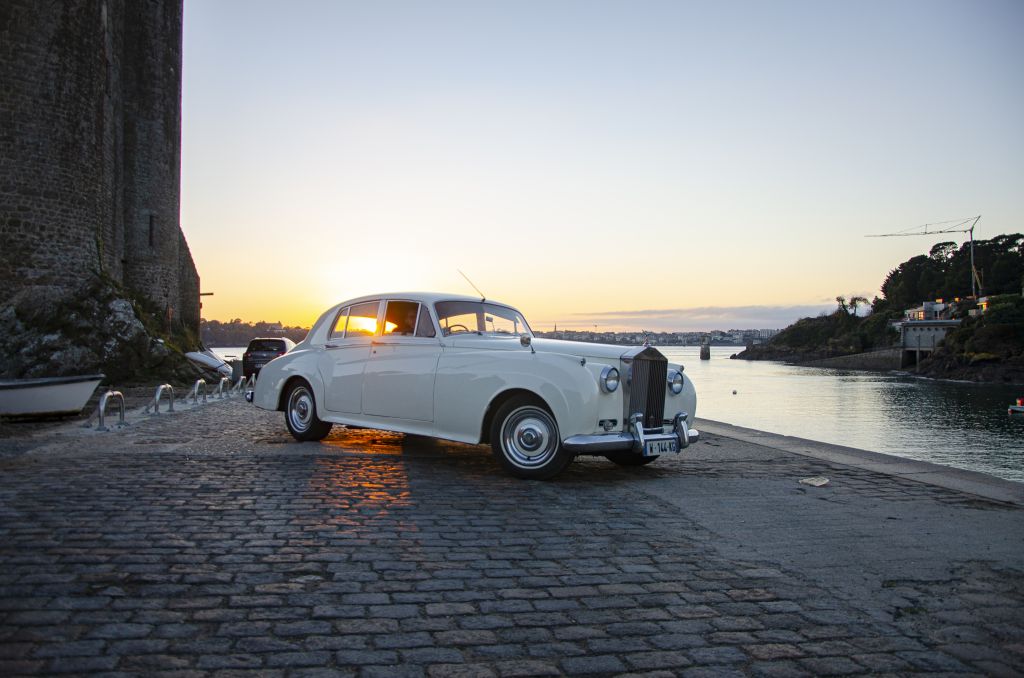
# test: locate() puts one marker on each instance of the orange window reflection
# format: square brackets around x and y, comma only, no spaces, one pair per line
[362,320]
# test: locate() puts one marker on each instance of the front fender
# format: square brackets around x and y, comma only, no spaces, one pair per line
[468,381]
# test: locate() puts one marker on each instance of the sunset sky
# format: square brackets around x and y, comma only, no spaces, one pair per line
[665,165]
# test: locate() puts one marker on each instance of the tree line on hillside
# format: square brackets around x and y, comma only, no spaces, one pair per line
[945,273]
[238,333]
[989,346]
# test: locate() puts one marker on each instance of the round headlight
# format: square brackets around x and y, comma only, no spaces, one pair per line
[609,379]
[675,382]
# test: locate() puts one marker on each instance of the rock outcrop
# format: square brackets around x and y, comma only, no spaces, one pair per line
[101,329]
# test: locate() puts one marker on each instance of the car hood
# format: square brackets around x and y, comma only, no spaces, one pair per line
[603,352]
[600,352]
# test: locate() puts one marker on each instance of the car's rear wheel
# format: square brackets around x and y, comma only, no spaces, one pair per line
[300,414]
[525,440]
[629,458]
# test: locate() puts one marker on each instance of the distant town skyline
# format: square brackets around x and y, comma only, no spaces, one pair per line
[589,160]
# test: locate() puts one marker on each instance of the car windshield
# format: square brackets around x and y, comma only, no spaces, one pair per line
[480,317]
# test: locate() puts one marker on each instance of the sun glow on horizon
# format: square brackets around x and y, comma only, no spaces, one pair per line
[631,170]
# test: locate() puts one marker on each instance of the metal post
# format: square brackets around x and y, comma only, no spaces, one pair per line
[220,387]
[974,275]
[195,391]
[103,407]
[156,399]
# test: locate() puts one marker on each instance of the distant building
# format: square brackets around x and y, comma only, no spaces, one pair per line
[924,328]
[929,310]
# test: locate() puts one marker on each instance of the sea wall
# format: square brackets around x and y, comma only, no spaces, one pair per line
[883,359]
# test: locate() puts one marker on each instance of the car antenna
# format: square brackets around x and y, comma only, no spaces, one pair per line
[482,297]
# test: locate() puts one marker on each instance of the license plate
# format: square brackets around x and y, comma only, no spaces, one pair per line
[653,447]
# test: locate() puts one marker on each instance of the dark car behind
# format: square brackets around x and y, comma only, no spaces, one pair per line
[261,351]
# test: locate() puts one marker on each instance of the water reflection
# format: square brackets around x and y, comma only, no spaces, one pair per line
[953,423]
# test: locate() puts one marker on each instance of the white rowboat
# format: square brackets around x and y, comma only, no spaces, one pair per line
[46,396]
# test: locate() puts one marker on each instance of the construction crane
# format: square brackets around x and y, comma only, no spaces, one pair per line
[952,226]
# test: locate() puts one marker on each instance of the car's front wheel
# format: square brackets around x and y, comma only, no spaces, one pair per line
[525,440]
[300,414]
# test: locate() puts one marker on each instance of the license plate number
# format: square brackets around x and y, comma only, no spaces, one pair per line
[653,447]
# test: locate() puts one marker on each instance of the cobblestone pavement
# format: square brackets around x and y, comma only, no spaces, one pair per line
[208,543]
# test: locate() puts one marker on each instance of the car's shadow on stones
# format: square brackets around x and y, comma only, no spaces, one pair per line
[462,459]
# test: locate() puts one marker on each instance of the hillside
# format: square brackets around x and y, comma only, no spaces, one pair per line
[989,347]
[986,348]
[239,333]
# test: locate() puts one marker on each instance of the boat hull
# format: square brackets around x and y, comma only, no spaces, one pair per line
[211,361]
[48,396]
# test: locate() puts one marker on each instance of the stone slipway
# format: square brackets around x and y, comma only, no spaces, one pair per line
[209,543]
[960,480]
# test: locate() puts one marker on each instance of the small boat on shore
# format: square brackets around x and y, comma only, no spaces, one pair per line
[46,396]
[210,361]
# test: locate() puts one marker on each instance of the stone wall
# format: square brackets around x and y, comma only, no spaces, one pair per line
[90,120]
[883,359]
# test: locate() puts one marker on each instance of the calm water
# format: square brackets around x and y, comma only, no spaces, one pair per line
[229,352]
[952,423]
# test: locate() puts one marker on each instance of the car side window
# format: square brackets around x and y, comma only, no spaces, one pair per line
[339,324]
[425,328]
[400,318]
[362,320]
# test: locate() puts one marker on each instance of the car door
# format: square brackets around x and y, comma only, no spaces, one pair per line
[345,354]
[399,378]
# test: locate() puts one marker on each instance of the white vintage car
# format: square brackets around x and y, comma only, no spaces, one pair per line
[469,369]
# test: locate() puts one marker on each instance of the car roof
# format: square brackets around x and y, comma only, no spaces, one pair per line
[328,316]
[425,297]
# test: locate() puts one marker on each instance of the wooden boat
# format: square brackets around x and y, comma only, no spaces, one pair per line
[47,396]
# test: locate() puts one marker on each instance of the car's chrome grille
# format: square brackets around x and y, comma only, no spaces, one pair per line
[647,387]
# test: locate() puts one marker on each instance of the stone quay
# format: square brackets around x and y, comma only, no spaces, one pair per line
[207,542]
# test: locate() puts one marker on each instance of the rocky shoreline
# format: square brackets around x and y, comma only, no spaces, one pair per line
[941,365]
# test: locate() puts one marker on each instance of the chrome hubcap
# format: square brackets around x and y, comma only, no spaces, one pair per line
[300,409]
[529,437]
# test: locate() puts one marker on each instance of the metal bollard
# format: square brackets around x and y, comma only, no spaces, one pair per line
[103,407]
[221,393]
[156,399]
[195,391]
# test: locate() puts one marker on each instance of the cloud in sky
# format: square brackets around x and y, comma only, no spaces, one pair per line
[696,319]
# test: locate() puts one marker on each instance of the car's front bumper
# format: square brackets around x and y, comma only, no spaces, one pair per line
[635,438]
